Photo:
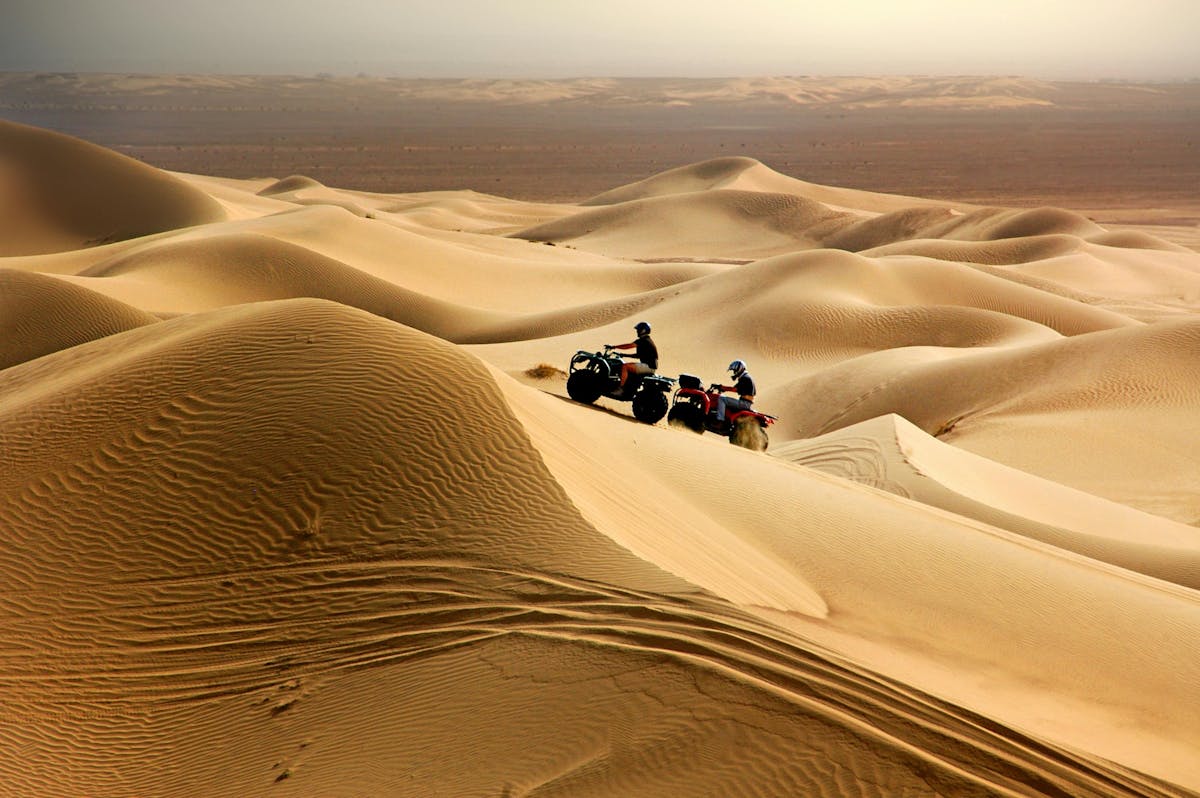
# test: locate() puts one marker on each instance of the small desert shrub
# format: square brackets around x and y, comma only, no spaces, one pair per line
[947,427]
[544,371]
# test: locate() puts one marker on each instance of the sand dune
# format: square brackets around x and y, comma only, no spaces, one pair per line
[737,207]
[810,310]
[42,315]
[1092,411]
[217,271]
[748,174]
[60,193]
[723,222]
[892,454]
[285,510]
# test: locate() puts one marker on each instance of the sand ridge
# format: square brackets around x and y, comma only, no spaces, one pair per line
[282,511]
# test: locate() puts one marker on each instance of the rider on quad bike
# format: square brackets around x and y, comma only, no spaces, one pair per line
[596,374]
[646,353]
[743,385]
[734,417]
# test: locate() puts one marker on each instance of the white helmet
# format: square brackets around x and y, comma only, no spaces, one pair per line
[738,367]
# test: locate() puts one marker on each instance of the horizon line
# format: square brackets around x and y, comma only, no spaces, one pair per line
[325,74]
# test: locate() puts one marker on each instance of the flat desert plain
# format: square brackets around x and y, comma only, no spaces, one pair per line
[294,501]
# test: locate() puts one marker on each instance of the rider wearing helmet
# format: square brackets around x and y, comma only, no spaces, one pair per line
[646,354]
[743,385]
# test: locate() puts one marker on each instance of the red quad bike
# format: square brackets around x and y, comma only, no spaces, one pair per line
[596,374]
[696,409]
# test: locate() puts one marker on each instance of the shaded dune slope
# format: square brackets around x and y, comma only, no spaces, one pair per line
[305,566]
[993,224]
[59,193]
[40,315]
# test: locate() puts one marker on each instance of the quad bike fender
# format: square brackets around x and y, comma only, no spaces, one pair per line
[701,398]
[762,418]
[657,382]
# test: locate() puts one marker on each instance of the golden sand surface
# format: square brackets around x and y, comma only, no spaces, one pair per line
[288,508]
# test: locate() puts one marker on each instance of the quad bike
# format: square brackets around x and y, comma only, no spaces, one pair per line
[596,374]
[696,409]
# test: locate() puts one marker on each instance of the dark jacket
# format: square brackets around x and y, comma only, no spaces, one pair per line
[745,387]
[647,352]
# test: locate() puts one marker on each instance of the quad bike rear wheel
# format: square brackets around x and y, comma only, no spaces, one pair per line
[686,414]
[748,433]
[585,386]
[649,406]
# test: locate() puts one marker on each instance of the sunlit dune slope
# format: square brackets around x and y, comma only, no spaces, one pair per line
[894,455]
[59,193]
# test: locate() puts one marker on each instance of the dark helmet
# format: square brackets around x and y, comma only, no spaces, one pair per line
[642,328]
[738,367]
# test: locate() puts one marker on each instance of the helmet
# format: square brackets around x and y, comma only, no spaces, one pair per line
[642,328]
[738,367]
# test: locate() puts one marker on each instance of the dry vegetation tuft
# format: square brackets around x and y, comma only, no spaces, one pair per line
[544,371]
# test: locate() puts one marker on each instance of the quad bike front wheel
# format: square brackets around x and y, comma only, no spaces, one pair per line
[585,386]
[748,433]
[649,406]
[685,414]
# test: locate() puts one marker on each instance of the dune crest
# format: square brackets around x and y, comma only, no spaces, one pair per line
[740,173]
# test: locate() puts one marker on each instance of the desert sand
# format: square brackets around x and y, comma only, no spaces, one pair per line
[286,507]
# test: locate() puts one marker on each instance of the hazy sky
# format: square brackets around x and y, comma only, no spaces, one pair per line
[1136,39]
